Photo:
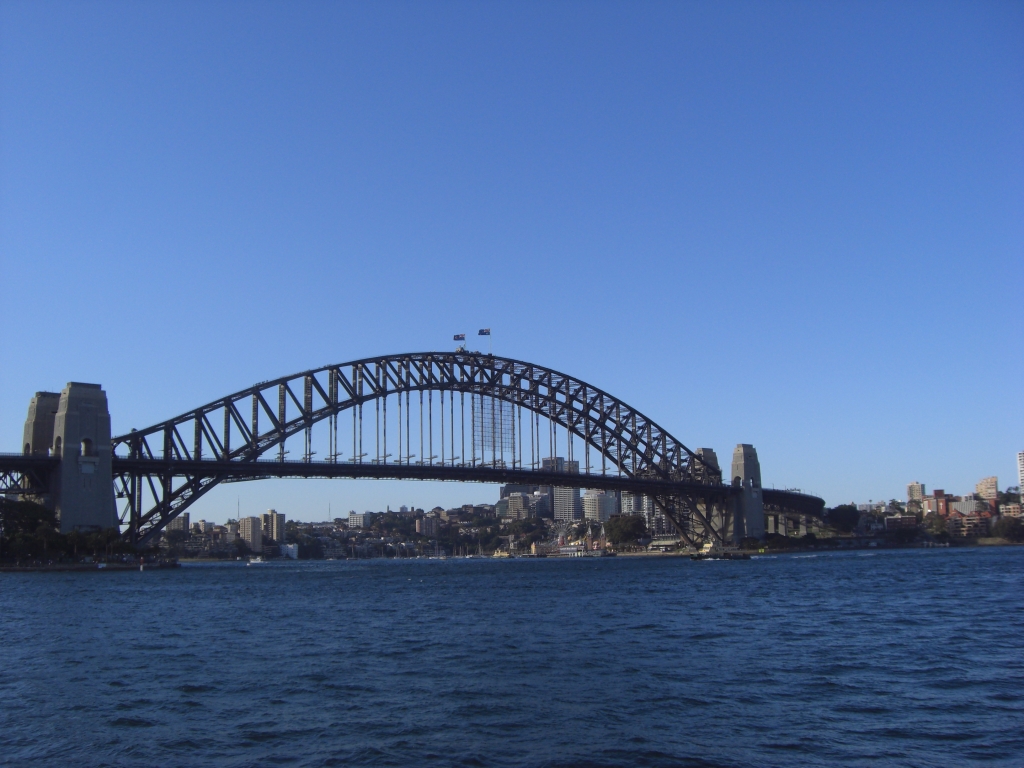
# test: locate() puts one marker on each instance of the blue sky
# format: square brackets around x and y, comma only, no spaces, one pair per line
[798,225]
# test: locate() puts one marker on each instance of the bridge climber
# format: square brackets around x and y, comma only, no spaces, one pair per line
[457,416]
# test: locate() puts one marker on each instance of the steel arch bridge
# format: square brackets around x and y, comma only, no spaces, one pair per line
[159,471]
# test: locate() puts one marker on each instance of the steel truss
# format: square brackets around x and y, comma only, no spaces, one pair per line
[26,476]
[163,469]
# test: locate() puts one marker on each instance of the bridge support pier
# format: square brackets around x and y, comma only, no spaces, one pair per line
[748,504]
[76,431]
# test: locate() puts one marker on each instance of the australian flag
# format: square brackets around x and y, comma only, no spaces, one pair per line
[484,332]
[460,337]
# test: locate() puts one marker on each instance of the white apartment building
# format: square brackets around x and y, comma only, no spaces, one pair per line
[567,503]
[987,488]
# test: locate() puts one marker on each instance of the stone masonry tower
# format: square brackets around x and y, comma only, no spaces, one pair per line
[42,412]
[746,473]
[77,431]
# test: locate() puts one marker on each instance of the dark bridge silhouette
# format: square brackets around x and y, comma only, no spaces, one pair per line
[461,416]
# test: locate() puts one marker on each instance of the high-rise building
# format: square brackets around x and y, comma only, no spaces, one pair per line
[540,503]
[273,525]
[567,504]
[915,491]
[515,488]
[988,488]
[553,464]
[598,505]
[1020,471]
[180,523]
[518,506]
[360,519]
[250,530]
[426,526]
[631,503]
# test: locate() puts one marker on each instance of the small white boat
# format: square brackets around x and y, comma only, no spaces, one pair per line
[257,560]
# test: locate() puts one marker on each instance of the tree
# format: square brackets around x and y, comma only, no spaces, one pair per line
[625,529]
[1009,528]
[936,526]
[843,518]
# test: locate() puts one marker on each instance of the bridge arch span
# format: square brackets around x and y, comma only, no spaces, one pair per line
[486,395]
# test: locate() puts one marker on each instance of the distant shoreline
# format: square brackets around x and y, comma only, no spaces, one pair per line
[102,567]
[84,567]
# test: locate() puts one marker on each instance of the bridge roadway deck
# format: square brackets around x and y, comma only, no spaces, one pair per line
[236,471]
[248,470]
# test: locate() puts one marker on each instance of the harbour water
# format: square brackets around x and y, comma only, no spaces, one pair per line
[901,658]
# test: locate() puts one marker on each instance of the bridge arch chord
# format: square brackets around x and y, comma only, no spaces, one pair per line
[248,424]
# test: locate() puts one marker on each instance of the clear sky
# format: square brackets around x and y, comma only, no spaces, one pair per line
[798,225]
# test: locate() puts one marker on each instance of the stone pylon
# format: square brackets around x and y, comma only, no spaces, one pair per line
[746,473]
[75,427]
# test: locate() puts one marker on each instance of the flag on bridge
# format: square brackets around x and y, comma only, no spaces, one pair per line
[484,332]
[460,337]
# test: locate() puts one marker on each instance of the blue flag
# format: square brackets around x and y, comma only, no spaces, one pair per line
[460,337]
[484,332]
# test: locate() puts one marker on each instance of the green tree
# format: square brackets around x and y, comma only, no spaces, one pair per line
[1009,528]
[843,518]
[936,527]
[625,529]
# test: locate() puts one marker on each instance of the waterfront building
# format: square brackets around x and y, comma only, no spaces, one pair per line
[915,491]
[988,488]
[250,530]
[967,506]
[1020,471]
[938,503]
[273,525]
[1011,509]
[900,522]
[290,551]
[972,524]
